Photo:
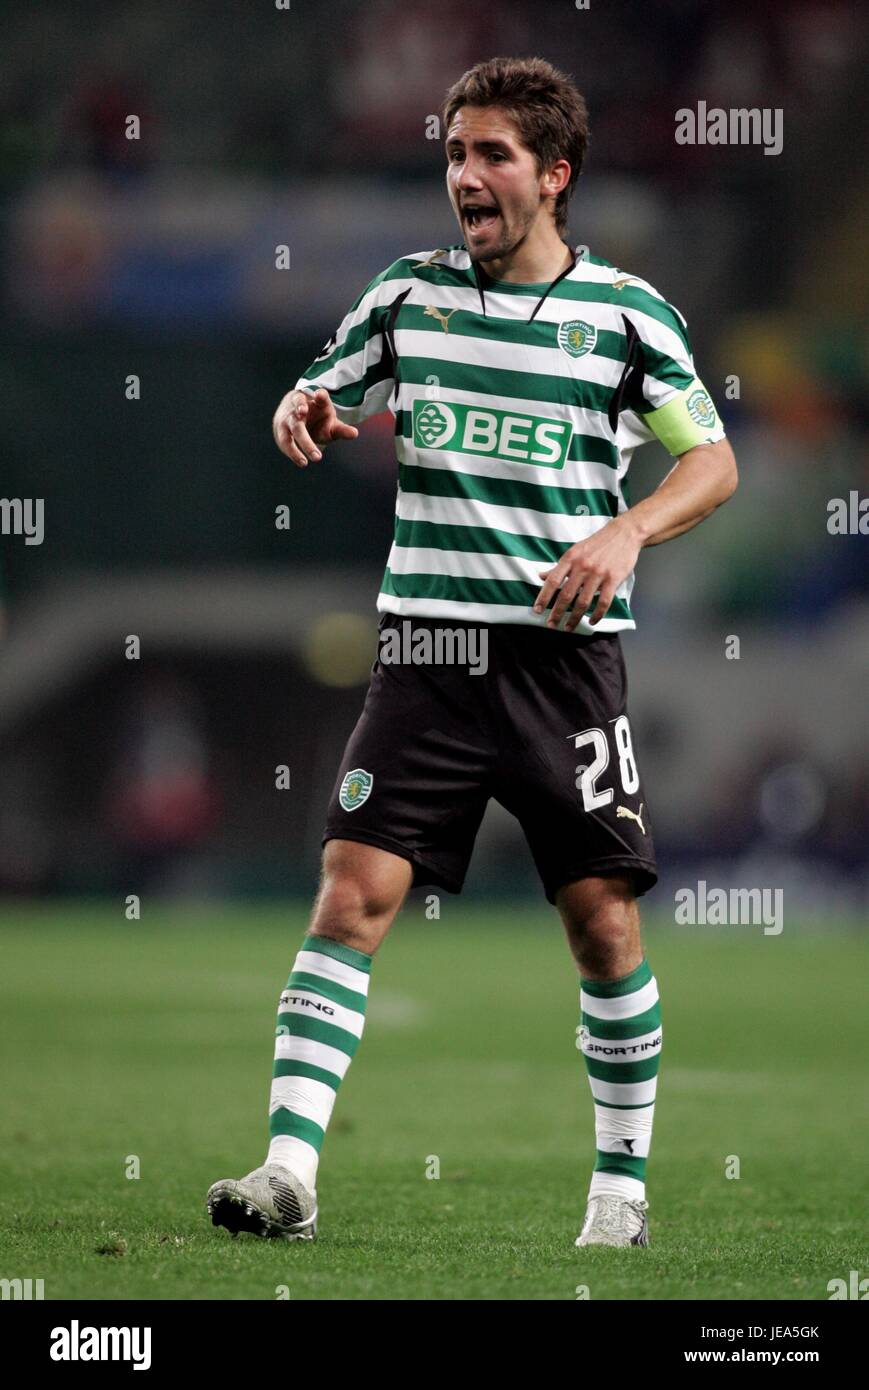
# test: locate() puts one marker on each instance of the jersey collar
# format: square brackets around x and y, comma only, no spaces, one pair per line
[578,255]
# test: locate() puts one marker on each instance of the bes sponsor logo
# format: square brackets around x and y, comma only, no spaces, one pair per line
[498,434]
[318,1004]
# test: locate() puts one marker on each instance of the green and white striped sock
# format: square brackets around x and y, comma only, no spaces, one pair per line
[321,1015]
[620,1038]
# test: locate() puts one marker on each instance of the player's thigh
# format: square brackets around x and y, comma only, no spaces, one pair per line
[573,779]
[415,776]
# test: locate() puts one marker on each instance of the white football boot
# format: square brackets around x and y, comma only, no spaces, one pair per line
[270,1201]
[614,1221]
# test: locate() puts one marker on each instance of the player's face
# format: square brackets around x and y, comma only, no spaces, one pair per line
[492,180]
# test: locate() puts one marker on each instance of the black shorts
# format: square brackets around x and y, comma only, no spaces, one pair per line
[544,731]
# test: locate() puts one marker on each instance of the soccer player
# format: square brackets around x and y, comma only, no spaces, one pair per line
[522,375]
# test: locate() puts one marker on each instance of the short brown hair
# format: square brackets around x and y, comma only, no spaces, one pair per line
[545,104]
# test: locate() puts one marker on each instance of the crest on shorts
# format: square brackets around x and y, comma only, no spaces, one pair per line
[576,337]
[356,788]
[701,409]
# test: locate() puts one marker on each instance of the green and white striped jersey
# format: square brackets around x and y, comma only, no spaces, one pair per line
[517,410]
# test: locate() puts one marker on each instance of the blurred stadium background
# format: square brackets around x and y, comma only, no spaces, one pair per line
[156,257]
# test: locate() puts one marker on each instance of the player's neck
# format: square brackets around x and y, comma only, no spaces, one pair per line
[534,261]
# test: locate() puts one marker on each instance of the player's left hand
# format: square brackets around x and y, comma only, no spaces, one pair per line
[596,565]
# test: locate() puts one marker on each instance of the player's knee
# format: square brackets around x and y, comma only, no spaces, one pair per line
[359,895]
[600,913]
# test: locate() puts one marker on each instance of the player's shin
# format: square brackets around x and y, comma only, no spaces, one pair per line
[321,1016]
[620,1039]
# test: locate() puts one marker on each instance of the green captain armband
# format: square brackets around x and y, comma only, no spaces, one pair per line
[687,420]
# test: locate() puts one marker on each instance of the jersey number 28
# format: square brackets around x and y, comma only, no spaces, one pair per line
[587,776]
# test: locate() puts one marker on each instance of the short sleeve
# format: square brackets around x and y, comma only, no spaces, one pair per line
[355,365]
[664,394]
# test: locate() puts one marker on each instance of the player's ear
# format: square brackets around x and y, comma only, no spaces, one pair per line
[557,178]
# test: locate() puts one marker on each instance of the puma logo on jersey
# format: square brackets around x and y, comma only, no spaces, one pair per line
[420,265]
[443,319]
[623,813]
[628,280]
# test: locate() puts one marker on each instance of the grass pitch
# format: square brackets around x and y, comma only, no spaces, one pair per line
[154,1039]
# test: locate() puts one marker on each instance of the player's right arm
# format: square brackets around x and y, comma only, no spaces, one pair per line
[350,379]
[304,422]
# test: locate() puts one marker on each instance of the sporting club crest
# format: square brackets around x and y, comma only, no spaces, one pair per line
[355,789]
[576,337]
[701,409]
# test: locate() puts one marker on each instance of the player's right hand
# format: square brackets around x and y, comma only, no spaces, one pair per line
[303,423]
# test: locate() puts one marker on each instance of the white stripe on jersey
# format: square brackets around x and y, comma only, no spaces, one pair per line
[520,521]
[485,613]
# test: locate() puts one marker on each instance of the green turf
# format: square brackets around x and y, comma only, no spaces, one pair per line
[154,1039]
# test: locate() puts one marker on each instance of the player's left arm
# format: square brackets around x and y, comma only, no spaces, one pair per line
[662,398]
[702,478]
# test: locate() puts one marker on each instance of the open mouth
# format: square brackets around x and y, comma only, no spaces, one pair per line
[480,217]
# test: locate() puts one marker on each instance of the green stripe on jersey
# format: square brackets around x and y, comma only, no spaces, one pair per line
[486,379]
[507,492]
[538,440]
[479,540]
[462,590]
[584,448]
